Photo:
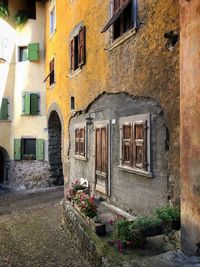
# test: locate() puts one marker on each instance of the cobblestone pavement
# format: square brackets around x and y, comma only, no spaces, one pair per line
[31,232]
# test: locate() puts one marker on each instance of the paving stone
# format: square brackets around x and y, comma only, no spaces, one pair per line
[31,233]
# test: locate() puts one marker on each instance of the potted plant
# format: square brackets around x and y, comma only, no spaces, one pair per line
[169,216]
[4,13]
[21,18]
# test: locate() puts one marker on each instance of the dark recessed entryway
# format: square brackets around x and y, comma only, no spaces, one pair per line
[4,166]
[55,159]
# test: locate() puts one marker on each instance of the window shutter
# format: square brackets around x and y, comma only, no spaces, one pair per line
[52,66]
[98,149]
[33,52]
[40,149]
[104,140]
[77,142]
[82,141]
[27,104]
[72,54]
[81,47]
[117,6]
[127,144]
[4,109]
[17,149]
[140,144]
[34,104]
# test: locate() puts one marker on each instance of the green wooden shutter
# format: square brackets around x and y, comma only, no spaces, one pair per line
[4,109]
[34,104]
[33,52]
[40,149]
[17,149]
[27,104]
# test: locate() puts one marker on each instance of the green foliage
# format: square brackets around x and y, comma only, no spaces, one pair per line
[77,187]
[167,214]
[4,13]
[21,17]
[144,222]
[122,230]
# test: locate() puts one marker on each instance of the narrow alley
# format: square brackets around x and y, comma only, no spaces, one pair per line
[31,232]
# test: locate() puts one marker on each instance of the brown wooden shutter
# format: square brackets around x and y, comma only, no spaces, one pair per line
[127,144]
[81,47]
[72,54]
[51,66]
[98,149]
[82,142]
[117,6]
[140,145]
[77,142]
[104,152]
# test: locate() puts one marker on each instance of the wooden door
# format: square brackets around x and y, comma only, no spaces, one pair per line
[101,159]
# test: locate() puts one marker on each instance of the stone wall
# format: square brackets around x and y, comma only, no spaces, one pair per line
[27,174]
[133,192]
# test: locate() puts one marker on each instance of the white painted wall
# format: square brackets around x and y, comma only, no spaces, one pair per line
[23,76]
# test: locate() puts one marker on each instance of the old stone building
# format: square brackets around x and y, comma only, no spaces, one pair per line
[113,84]
[23,138]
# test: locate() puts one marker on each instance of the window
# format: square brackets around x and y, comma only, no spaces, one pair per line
[30,52]
[51,75]
[72,103]
[124,17]
[29,149]
[23,53]
[135,142]
[77,50]
[52,72]
[80,142]
[52,19]
[31,103]
[4,111]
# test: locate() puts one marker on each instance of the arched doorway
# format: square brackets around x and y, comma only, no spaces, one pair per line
[55,148]
[4,166]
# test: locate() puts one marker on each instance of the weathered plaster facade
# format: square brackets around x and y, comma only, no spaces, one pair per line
[190,123]
[139,63]
[21,77]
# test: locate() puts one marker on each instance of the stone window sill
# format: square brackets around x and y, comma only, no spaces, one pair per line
[74,73]
[122,39]
[80,158]
[136,171]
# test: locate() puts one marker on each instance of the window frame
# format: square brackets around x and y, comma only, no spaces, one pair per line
[79,155]
[136,120]
[23,140]
[20,47]
[52,8]
[77,54]
[23,103]
[50,72]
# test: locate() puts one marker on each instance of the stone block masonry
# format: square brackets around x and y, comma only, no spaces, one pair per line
[28,174]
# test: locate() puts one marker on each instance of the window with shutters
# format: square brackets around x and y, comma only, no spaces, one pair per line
[124,14]
[30,52]
[80,142]
[29,149]
[135,143]
[4,110]
[52,72]
[31,103]
[77,50]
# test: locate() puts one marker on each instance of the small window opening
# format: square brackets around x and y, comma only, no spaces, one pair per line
[72,103]
[76,52]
